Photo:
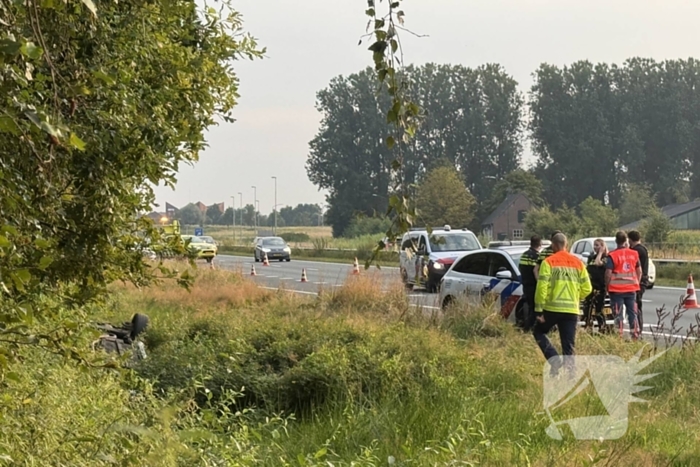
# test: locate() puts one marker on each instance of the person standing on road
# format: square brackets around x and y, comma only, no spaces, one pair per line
[635,241]
[528,261]
[544,254]
[622,275]
[597,264]
[562,284]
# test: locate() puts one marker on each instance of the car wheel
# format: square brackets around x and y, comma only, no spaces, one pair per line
[650,286]
[139,323]
[449,300]
[289,259]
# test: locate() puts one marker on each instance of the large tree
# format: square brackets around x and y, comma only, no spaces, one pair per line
[597,129]
[443,198]
[95,109]
[470,117]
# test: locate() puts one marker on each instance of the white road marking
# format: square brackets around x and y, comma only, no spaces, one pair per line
[319,283]
[311,269]
[287,279]
[271,277]
[667,288]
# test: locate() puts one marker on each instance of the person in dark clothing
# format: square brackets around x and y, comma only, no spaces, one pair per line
[528,261]
[635,240]
[596,271]
[544,254]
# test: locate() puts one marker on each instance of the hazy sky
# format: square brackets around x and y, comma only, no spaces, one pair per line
[311,41]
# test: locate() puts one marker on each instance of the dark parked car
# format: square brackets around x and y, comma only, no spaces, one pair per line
[275,247]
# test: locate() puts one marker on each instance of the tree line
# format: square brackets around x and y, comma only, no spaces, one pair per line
[300,215]
[596,130]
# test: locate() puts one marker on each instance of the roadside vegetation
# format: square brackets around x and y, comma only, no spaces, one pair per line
[237,375]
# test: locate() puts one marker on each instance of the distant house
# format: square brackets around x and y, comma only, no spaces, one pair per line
[219,206]
[201,206]
[684,216]
[155,216]
[170,210]
[507,222]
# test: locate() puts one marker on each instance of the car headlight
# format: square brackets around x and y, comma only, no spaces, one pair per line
[287,249]
[266,250]
[438,266]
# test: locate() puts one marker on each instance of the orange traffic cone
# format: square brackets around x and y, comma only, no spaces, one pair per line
[252,270]
[266,262]
[691,301]
[303,276]
[356,267]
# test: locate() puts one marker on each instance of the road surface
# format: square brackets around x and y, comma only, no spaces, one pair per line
[324,275]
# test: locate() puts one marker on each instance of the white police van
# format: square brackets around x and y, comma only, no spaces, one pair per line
[424,258]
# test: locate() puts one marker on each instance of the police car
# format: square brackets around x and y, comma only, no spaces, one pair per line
[478,274]
[494,273]
[424,258]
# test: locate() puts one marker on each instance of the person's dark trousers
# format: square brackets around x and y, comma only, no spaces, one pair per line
[529,291]
[640,315]
[629,300]
[566,323]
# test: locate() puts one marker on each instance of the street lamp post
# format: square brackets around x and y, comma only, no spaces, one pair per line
[240,196]
[233,216]
[275,178]
[255,203]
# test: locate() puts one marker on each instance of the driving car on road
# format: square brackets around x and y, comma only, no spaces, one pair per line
[424,258]
[583,248]
[203,249]
[274,247]
[208,239]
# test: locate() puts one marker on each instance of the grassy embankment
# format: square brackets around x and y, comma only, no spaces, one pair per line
[271,378]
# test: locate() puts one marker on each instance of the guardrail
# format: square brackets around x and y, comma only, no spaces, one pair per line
[675,261]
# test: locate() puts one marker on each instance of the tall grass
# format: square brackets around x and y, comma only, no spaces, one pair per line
[356,375]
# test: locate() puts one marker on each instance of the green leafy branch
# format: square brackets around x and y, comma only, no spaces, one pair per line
[404,114]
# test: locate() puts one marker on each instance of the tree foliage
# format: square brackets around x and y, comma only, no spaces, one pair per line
[471,119]
[637,203]
[597,129]
[589,219]
[96,107]
[656,227]
[519,180]
[444,199]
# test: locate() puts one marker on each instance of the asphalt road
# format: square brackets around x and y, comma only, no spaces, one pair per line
[324,275]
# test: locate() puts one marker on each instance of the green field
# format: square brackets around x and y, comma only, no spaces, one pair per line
[237,375]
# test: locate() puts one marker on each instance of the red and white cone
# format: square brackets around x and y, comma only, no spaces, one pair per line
[303,276]
[252,270]
[266,262]
[691,300]
[356,267]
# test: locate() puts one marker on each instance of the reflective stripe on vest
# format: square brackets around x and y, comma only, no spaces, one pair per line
[624,273]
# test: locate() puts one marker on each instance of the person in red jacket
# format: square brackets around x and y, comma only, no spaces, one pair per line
[622,277]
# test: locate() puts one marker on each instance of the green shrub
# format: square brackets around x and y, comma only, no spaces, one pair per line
[295,237]
[363,225]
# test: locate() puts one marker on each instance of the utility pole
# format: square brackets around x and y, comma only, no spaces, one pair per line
[233,216]
[255,209]
[240,195]
[275,178]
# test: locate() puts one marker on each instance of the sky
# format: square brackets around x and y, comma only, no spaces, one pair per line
[309,42]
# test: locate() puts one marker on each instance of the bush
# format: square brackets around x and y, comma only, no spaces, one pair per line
[295,237]
[360,226]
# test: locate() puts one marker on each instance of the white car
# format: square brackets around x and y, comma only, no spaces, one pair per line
[425,260]
[583,248]
[478,273]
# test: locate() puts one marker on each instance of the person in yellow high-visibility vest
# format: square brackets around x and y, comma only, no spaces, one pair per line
[562,284]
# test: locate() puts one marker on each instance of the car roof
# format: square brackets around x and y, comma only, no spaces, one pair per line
[592,239]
